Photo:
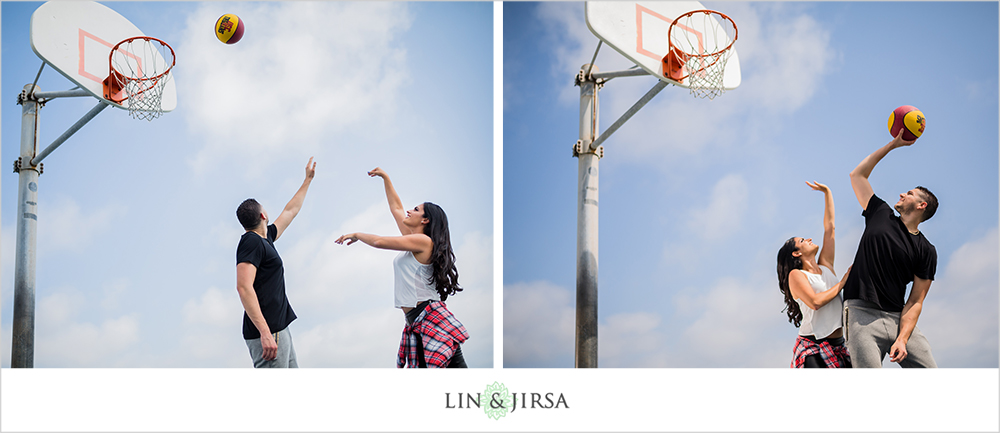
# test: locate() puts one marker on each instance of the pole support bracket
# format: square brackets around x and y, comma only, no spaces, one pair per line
[579,149]
[25,96]
[582,77]
[20,165]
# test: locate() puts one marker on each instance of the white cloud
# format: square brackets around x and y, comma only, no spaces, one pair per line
[222,233]
[5,345]
[725,212]
[959,315]
[736,324]
[323,274]
[204,346]
[729,324]
[539,325]
[6,290]
[474,259]
[474,305]
[366,333]
[674,124]
[474,308]
[785,56]
[210,333]
[7,250]
[59,308]
[633,340]
[323,271]
[252,99]
[307,77]
[77,329]
[573,45]
[64,225]
[367,338]
[64,335]
[113,292]
[976,260]
[218,243]
[215,307]
[343,297]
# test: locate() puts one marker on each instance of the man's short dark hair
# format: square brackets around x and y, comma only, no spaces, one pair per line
[932,203]
[249,213]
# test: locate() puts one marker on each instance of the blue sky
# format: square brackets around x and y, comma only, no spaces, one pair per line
[137,230]
[697,196]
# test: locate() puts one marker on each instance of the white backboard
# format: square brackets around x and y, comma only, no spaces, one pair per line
[76,37]
[638,30]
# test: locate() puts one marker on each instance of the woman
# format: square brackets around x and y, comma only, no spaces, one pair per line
[425,275]
[812,295]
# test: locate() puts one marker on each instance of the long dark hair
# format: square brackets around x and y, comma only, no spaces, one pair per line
[786,263]
[444,274]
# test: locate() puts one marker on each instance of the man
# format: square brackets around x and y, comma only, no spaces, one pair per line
[260,280]
[892,253]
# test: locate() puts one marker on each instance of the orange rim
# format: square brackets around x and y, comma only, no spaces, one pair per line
[674,61]
[116,81]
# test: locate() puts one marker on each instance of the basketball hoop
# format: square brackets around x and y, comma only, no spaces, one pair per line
[697,56]
[140,68]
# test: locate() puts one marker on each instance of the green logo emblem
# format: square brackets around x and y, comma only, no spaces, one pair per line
[496,401]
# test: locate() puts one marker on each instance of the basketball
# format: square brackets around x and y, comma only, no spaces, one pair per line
[909,117]
[229,29]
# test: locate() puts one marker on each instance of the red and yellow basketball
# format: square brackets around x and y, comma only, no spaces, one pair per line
[909,117]
[229,29]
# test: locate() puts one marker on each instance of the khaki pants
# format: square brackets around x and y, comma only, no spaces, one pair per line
[286,352]
[870,333]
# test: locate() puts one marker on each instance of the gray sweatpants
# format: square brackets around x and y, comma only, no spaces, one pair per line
[870,333]
[286,352]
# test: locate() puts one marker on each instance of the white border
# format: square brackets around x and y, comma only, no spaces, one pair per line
[597,400]
[417,400]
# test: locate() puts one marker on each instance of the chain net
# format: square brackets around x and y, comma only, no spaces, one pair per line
[702,42]
[140,70]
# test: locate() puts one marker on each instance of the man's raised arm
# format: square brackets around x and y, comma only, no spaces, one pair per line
[859,176]
[295,204]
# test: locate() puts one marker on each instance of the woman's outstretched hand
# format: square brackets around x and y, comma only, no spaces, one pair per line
[818,186]
[377,172]
[350,238]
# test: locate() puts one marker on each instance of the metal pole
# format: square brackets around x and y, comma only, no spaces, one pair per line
[592,60]
[69,132]
[586,223]
[23,338]
[628,114]
[637,72]
[39,74]
[48,96]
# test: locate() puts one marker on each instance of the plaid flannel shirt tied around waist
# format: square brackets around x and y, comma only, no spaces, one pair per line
[439,330]
[833,356]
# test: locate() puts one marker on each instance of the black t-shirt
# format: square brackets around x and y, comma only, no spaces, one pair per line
[887,259]
[269,283]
